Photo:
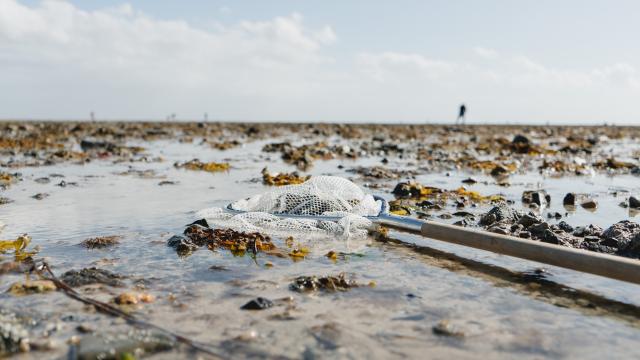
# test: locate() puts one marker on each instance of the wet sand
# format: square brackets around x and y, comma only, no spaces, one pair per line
[416,296]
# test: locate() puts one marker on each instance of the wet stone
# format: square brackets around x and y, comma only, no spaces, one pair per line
[326,283]
[589,204]
[117,346]
[182,244]
[258,303]
[569,199]
[565,227]
[634,203]
[501,213]
[101,242]
[530,219]
[620,234]
[538,197]
[40,196]
[89,276]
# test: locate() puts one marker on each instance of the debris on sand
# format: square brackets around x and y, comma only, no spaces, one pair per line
[339,282]
[101,242]
[303,156]
[29,287]
[223,145]
[198,165]
[282,179]
[199,234]
[380,172]
[7,179]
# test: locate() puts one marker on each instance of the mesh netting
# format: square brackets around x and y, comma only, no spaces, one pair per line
[319,196]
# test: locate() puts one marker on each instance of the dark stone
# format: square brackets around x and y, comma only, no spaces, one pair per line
[632,249]
[469,181]
[89,276]
[182,244]
[499,230]
[565,227]
[538,197]
[500,213]
[591,230]
[520,139]
[529,219]
[201,222]
[258,303]
[620,234]
[589,204]
[634,203]
[499,171]
[569,199]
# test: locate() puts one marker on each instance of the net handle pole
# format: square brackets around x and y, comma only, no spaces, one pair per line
[610,266]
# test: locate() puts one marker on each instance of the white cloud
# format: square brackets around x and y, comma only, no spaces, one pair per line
[59,61]
[129,60]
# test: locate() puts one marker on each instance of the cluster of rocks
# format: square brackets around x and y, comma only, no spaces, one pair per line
[622,238]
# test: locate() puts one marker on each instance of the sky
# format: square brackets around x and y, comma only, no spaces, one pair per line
[509,61]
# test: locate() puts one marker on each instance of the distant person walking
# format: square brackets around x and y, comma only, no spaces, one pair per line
[461,118]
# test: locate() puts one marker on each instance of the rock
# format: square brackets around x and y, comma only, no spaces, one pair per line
[499,170]
[201,222]
[117,346]
[589,204]
[565,227]
[569,199]
[12,334]
[126,298]
[530,219]
[620,234]
[520,139]
[538,229]
[101,242]
[632,249]
[538,197]
[258,303]
[182,244]
[443,328]
[469,181]
[499,230]
[445,216]
[556,215]
[591,230]
[89,276]
[501,213]
[32,287]
[40,196]
[634,203]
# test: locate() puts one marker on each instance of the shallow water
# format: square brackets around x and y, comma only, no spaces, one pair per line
[414,289]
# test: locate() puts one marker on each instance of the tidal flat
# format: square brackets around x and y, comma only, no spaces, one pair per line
[110,207]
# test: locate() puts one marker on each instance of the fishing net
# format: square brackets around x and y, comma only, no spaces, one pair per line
[329,196]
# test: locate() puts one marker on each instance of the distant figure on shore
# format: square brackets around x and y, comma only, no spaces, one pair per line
[461,118]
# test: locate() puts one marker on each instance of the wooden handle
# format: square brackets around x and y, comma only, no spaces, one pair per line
[610,266]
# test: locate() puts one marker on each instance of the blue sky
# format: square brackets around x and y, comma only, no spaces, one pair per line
[412,61]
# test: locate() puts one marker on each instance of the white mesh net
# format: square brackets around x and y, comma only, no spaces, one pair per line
[319,196]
